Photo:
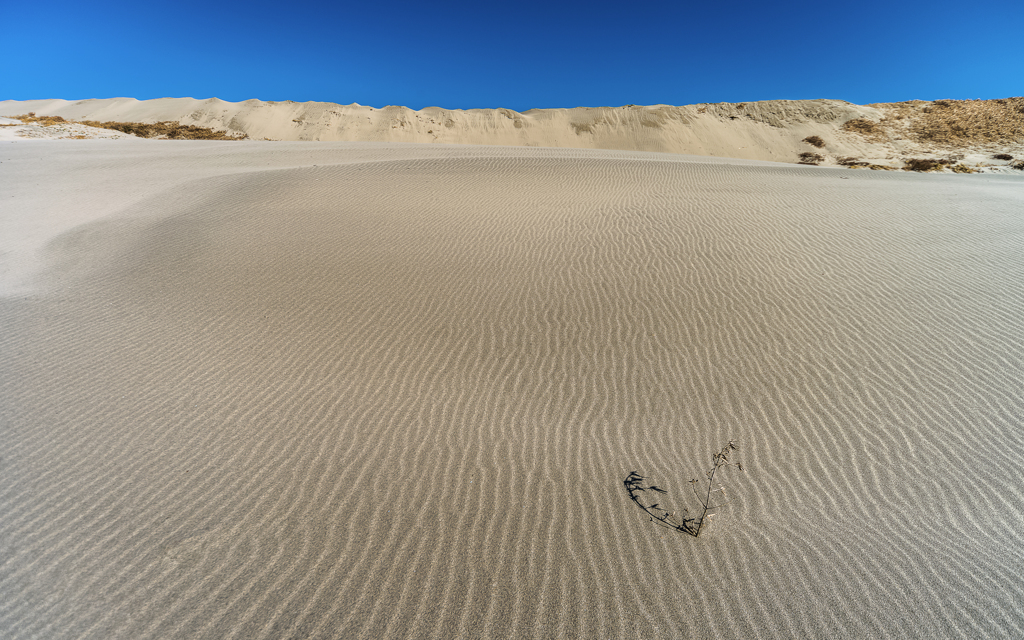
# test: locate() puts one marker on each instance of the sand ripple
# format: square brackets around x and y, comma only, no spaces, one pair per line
[396,396]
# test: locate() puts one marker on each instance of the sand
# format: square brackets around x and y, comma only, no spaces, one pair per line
[772,130]
[343,390]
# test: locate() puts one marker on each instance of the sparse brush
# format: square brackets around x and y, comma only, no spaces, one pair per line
[635,482]
[814,141]
[169,130]
[809,157]
[861,126]
[46,121]
[962,122]
[1002,156]
[927,164]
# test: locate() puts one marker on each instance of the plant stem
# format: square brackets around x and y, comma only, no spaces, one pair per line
[707,499]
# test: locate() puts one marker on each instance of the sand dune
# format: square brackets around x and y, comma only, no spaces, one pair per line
[773,130]
[274,390]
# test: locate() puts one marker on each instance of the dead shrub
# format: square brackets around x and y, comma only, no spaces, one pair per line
[861,126]
[809,157]
[46,121]
[1002,156]
[1018,165]
[814,141]
[960,122]
[920,164]
[927,164]
[167,129]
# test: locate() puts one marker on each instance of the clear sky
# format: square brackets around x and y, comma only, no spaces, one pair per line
[519,55]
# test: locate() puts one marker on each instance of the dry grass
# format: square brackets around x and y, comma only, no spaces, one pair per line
[861,126]
[46,121]
[809,157]
[815,141]
[954,123]
[168,130]
[932,164]
[1018,165]
[1002,156]
[855,163]
[959,121]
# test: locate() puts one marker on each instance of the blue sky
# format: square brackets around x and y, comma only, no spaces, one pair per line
[517,55]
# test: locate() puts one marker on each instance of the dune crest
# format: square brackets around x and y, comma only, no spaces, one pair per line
[774,130]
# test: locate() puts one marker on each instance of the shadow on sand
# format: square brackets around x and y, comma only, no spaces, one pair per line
[639,492]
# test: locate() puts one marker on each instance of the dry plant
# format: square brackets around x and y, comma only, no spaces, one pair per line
[634,484]
[1018,165]
[167,129]
[1002,156]
[970,121]
[956,123]
[46,121]
[927,164]
[814,141]
[809,157]
[861,126]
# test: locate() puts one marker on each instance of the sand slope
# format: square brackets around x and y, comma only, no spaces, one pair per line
[769,130]
[396,394]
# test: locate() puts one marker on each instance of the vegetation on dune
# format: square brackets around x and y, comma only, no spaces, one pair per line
[167,129]
[814,141]
[937,164]
[970,121]
[861,126]
[809,157]
[946,122]
[46,121]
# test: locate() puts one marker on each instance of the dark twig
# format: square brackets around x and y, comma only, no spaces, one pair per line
[635,485]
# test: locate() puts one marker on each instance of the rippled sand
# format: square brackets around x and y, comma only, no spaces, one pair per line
[396,395]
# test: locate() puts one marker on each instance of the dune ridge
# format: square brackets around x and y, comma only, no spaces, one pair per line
[395,394]
[773,130]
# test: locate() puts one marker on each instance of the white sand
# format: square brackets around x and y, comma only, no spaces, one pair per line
[282,390]
[770,130]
